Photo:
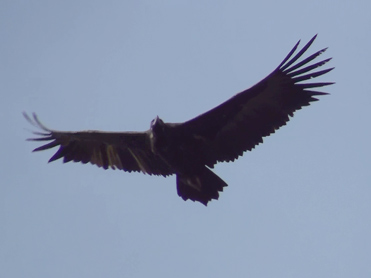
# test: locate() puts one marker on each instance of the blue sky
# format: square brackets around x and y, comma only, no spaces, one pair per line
[297,206]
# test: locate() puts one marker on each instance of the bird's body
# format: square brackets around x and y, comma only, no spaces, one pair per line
[191,148]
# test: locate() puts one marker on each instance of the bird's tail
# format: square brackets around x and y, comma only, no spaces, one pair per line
[202,187]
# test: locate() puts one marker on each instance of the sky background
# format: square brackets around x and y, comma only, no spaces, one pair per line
[297,206]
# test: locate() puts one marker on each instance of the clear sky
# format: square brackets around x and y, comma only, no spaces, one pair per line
[297,206]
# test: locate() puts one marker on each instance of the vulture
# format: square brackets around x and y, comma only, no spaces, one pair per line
[192,148]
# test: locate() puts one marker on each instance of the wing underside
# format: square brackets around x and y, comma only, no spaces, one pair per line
[240,123]
[128,151]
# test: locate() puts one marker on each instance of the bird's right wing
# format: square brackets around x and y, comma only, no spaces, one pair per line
[128,151]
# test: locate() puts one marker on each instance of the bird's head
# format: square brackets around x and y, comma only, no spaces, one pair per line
[157,125]
[156,132]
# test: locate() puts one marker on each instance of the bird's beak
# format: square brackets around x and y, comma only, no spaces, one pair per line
[157,118]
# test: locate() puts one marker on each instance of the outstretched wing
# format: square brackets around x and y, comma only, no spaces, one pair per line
[239,124]
[128,151]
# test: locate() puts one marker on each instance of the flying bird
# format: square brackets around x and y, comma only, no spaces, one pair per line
[190,149]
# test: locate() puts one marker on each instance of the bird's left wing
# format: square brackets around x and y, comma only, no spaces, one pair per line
[240,123]
[128,151]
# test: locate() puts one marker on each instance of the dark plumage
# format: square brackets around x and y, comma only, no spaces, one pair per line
[191,148]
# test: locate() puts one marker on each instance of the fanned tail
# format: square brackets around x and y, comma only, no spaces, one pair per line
[201,187]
